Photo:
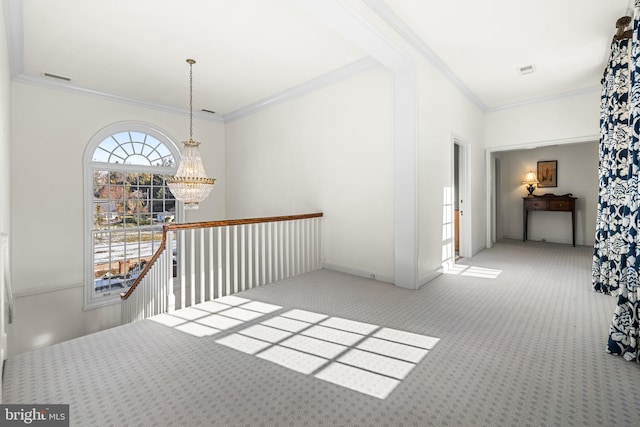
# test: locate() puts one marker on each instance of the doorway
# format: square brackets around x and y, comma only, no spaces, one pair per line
[461,201]
[456,201]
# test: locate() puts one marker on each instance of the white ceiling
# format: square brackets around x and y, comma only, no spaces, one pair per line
[249,51]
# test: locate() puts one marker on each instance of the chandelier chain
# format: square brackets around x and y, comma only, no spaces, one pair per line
[190,185]
[190,99]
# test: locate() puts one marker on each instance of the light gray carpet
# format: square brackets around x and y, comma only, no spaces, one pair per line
[515,337]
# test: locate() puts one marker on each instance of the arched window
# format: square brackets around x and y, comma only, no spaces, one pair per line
[127,202]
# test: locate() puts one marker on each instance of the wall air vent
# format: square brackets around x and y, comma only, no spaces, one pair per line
[53,76]
[527,69]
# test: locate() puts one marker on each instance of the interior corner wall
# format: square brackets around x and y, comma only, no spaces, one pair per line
[50,130]
[329,151]
[445,114]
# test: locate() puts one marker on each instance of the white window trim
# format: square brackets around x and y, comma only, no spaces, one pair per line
[89,166]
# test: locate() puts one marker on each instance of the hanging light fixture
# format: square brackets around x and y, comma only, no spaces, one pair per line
[190,185]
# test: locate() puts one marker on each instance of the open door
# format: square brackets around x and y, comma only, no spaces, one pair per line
[461,201]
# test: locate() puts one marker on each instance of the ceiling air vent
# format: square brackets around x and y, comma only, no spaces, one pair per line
[527,69]
[53,76]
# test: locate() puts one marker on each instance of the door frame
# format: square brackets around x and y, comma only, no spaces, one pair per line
[490,175]
[463,195]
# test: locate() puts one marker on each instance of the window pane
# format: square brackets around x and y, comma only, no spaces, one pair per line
[120,154]
[101,155]
[129,209]
[134,148]
[121,137]
[138,137]
[108,144]
[164,151]
[130,148]
[146,150]
[138,159]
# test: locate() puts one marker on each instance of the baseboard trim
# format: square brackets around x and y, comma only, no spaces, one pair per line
[430,276]
[579,242]
[39,291]
[359,273]
[381,278]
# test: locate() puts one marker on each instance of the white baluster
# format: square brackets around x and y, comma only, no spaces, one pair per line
[250,257]
[318,241]
[202,267]
[243,261]
[219,264]
[269,244]
[182,268]
[212,271]
[287,249]
[192,267]
[277,245]
[308,244]
[296,251]
[263,260]
[234,252]
[281,251]
[227,262]
[256,255]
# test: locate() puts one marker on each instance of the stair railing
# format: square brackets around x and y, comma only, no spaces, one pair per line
[198,262]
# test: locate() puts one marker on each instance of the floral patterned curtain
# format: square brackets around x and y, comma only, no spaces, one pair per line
[616,259]
[613,169]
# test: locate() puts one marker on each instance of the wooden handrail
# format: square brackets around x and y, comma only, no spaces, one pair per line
[207,224]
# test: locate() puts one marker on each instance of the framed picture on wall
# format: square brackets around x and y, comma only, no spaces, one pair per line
[548,173]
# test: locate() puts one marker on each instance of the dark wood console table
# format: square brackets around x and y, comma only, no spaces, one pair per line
[549,202]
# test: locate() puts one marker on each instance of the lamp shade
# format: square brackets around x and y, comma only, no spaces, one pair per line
[530,178]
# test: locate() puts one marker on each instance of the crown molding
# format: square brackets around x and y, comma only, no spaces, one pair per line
[14,17]
[543,99]
[304,88]
[382,10]
[532,145]
[69,87]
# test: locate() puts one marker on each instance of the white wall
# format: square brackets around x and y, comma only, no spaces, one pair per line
[560,121]
[5,127]
[328,151]
[50,131]
[444,113]
[565,119]
[577,174]
[5,123]
[332,151]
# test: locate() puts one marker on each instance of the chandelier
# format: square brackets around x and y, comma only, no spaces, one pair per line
[190,185]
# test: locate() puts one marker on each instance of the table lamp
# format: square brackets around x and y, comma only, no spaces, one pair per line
[530,180]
